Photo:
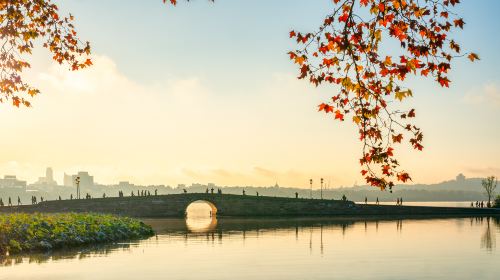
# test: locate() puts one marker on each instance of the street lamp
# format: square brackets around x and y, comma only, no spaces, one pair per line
[311,192]
[77,182]
[321,188]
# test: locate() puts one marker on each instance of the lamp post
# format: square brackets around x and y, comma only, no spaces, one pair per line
[77,182]
[321,188]
[311,192]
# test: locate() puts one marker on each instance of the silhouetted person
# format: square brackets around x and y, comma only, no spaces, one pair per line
[156,192]
[377,202]
[10,201]
[397,201]
[366,200]
[18,200]
[104,195]
[243,192]
[1,203]
[71,197]
[344,198]
[257,193]
[206,191]
[41,198]
[401,201]
[60,198]
[185,191]
[472,204]
[296,195]
[212,190]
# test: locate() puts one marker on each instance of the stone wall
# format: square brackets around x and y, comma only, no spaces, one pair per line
[239,206]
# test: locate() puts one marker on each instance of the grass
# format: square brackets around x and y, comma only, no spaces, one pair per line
[43,232]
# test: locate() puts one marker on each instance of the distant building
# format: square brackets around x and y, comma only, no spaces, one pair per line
[68,180]
[10,181]
[85,179]
[48,179]
[125,184]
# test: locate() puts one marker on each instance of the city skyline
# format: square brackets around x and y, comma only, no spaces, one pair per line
[87,179]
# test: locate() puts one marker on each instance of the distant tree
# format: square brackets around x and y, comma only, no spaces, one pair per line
[497,202]
[489,185]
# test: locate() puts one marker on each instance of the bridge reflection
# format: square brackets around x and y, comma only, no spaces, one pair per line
[213,230]
[201,224]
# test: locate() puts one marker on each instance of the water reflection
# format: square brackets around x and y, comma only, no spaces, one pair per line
[66,254]
[316,233]
[201,224]
[488,239]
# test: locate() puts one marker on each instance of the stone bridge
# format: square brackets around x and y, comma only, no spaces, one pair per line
[175,205]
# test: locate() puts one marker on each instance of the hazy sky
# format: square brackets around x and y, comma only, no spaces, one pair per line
[206,93]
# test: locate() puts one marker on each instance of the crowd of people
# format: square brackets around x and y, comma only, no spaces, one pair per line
[219,191]
[478,204]
[35,200]
[147,193]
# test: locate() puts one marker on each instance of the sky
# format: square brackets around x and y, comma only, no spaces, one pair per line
[205,92]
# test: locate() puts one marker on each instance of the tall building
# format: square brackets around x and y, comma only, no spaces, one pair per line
[49,174]
[48,179]
[68,180]
[85,179]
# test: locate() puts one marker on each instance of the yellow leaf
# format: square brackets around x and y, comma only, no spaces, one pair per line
[400,95]
[387,61]
[300,60]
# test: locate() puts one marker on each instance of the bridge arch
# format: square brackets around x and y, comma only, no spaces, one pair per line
[210,204]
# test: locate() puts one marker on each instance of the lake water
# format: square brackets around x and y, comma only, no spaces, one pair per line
[428,203]
[206,248]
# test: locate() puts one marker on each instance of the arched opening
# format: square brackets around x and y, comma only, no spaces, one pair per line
[201,209]
[201,216]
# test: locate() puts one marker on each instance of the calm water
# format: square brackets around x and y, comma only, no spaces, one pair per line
[428,203]
[206,248]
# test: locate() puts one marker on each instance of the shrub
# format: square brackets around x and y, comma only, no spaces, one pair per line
[42,232]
